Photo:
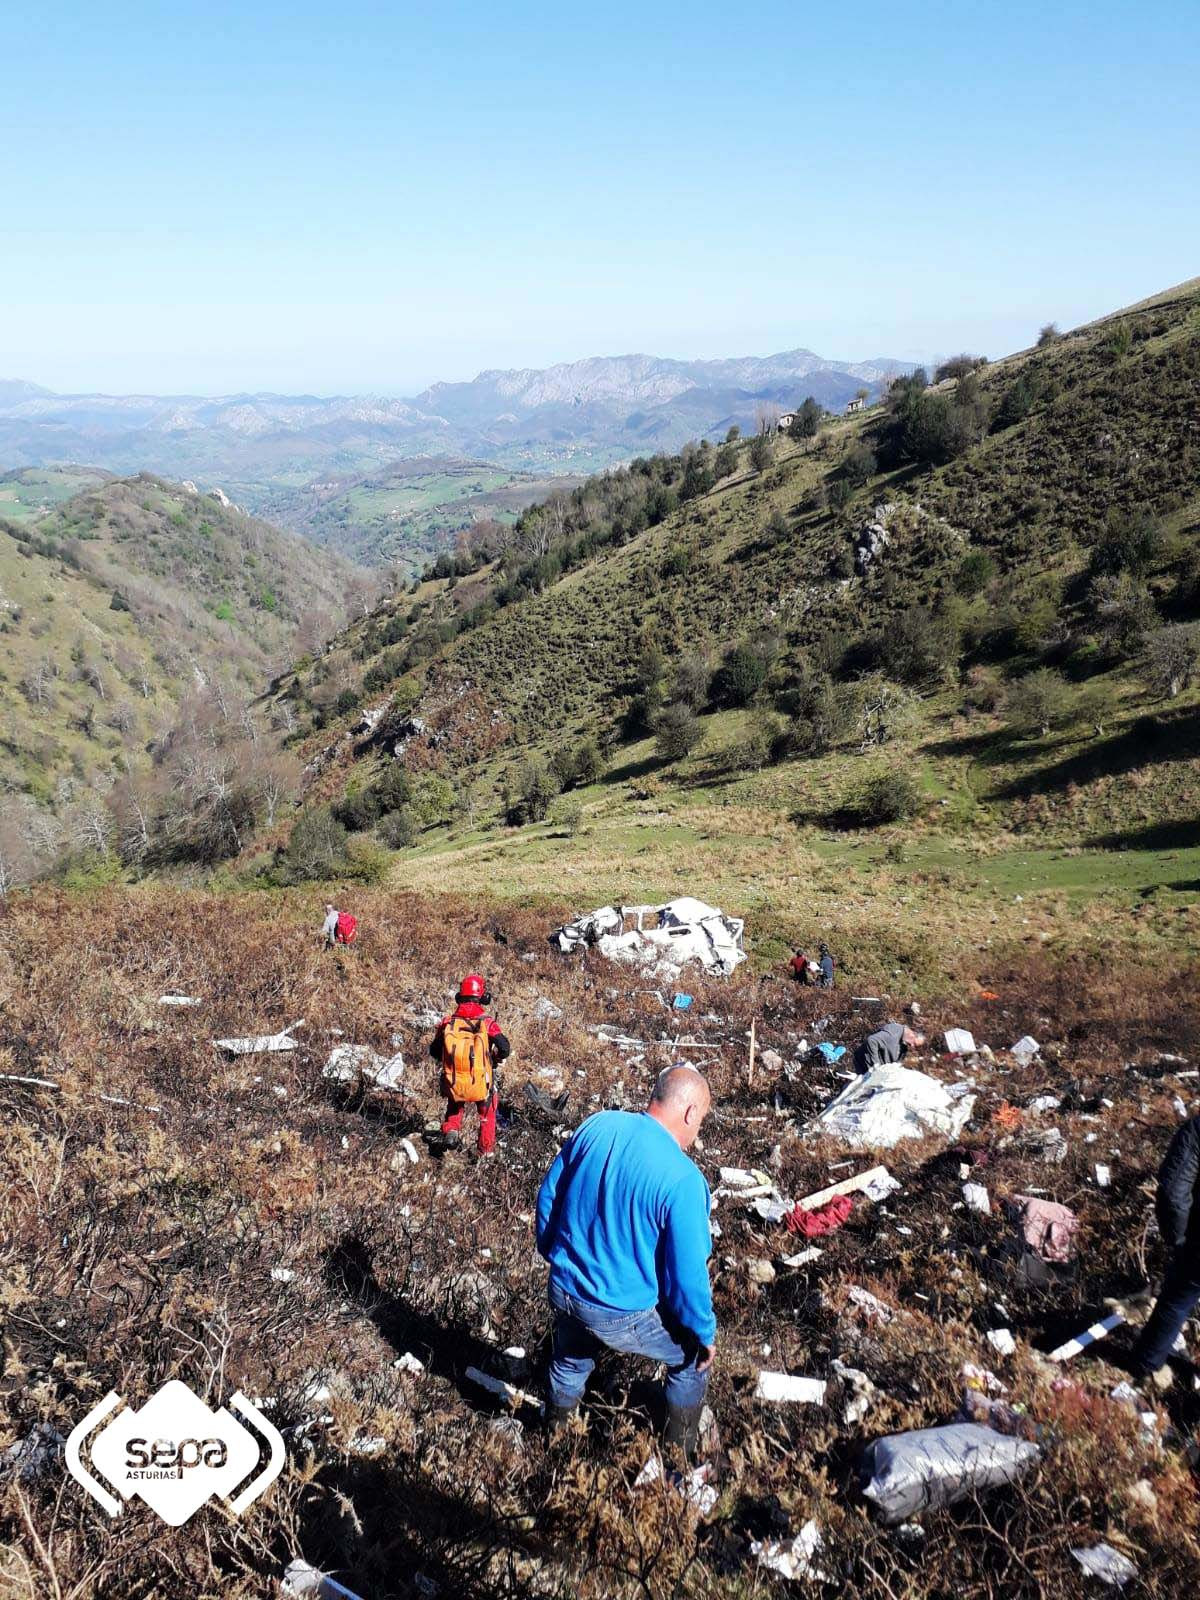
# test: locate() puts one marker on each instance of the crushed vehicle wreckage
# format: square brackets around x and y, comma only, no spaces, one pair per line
[662,939]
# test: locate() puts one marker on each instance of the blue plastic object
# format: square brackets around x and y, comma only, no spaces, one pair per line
[681,1002]
[831,1052]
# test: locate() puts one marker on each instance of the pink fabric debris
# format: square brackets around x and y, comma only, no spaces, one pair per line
[1048,1228]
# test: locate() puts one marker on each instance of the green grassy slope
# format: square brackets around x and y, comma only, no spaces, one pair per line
[411,511]
[120,600]
[1104,802]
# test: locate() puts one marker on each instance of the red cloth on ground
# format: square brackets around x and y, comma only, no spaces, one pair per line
[812,1224]
[453,1121]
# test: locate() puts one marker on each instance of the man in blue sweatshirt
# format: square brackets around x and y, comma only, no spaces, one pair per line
[622,1218]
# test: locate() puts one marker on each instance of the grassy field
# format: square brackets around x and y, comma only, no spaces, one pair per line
[30,492]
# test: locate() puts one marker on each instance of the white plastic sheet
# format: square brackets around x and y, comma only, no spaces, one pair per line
[879,1108]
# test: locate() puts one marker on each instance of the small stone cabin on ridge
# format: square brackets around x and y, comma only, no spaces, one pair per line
[854,405]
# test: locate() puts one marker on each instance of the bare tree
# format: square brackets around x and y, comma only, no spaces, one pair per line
[766,416]
[91,826]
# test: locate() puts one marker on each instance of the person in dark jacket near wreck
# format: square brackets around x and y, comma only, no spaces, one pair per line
[1177,1204]
[886,1046]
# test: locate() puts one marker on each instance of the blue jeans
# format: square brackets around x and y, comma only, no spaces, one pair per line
[581,1330]
[1179,1297]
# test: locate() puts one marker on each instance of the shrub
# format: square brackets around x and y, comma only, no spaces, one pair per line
[741,675]
[589,762]
[887,797]
[366,861]
[531,789]
[357,811]
[677,562]
[762,451]
[920,646]
[975,571]
[807,421]
[1129,541]
[567,815]
[1170,657]
[1048,334]
[397,829]
[1123,610]
[346,702]
[860,465]
[691,681]
[432,799]
[316,848]
[958,367]
[392,789]
[676,731]
[1038,702]
[759,746]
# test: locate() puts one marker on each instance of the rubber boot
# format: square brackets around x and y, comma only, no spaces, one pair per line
[682,1429]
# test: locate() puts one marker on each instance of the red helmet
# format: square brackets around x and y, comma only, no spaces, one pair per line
[472,987]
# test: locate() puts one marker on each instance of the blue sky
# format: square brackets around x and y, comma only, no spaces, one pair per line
[318,197]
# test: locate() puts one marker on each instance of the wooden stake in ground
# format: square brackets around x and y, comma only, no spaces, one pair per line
[753,1036]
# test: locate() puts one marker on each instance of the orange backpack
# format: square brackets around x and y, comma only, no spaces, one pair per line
[467,1059]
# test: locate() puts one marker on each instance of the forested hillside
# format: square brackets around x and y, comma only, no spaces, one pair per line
[970,611]
[122,608]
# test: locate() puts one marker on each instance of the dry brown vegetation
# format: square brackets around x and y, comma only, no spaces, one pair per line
[139,1239]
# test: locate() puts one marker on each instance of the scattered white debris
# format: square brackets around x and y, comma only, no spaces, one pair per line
[354,1063]
[862,1391]
[260,1043]
[1002,1341]
[1025,1049]
[409,1363]
[795,1559]
[546,1011]
[959,1042]
[410,1150]
[1181,1110]
[876,1183]
[282,1275]
[879,1108]
[1103,1175]
[803,1258]
[179,1000]
[783,1387]
[367,1445]
[1089,1336]
[743,1177]
[871,1304]
[1107,1564]
[977,1198]
[302,1582]
[1045,1102]
[695,1487]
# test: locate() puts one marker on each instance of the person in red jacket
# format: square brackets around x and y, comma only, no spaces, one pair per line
[473,999]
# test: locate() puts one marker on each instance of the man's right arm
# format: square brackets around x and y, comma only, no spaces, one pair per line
[1177,1180]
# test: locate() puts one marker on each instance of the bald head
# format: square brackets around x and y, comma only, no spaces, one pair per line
[680,1102]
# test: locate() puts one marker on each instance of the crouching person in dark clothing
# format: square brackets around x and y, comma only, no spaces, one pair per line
[1179,1224]
[622,1218]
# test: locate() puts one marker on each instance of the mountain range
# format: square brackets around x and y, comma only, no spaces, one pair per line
[268,451]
